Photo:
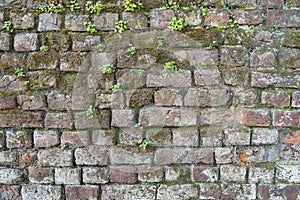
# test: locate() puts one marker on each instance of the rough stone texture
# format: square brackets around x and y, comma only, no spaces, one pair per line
[296,99]
[289,58]
[8,192]
[159,136]
[237,136]
[248,16]
[31,102]
[161,18]
[223,155]
[101,119]
[256,117]
[5,42]
[261,175]
[129,156]
[135,20]
[103,137]
[18,139]
[90,192]
[122,174]
[86,43]
[231,173]
[278,191]
[105,21]
[185,137]
[177,192]
[95,175]
[75,22]
[58,101]
[58,120]
[49,22]
[40,60]
[67,176]
[75,139]
[205,77]
[10,176]
[290,137]
[45,138]
[180,79]
[285,118]
[35,192]
[26,42]
[283,18]
[118,117]
[22,21]
[41,175]
[150,174]
[91,155]
[262,136]
[55,157]
[216,18]
[263,58]
[130,136]
[288,173]
[280,98]
[233,56]
[178,173]
[205,174]
[168,97]
[8,157]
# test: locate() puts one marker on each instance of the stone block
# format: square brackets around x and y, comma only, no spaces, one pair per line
[125,155]
[59,101]
[8,192]
[41,175]
[55,157]
[285,118]
[122,174]
[159,136]
[84,43]
[95,175]
[216,18]
[36,102]
[11,176]
[260,175]
[118,117]
[223,155]
[168,97]
[58,120]
[101,119]
[18,139]
[246,17]
[103,137]
[90,192]
[42,60]
[178,173]
[233,56]
[283,18]
[35,192]
[160,18]
[150,174]
[5,42]
[275,98]
[22,20]
[253,117]
[75,138]
[135,20]
[287,173]
[262,136]
[106,21]
[26,42]
[49,22]
[205,174]
[68,176]
[177,192]
[237,136]
[185,137]
[91,155]
[75,22]
[45,138]
[296,99]
[231,173]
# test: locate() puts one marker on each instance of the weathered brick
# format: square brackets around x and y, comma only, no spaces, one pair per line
[296,99]
[75,22]
[177,192]
[263,57]
[7,102]
[153,116]
[8,192]
[41,175]
[18,139]
[58,120]
[8,158]
[75,138]
[128,192]
[248,16]
[11,83]
[70,61]
[216,117]
[138,97]
[168,97]
[110,100]
[205,174]
[129,156]
[55,40]
[91,155]
[45,138]
[285,118]
[289,58]
[42,80]
[223,155]
[178,173]
[292,39]
[290,137]
[241,3]
[233,56]
[211,136]
[27,158]
[159,136]
[272,3]
[288,173]
[275,98]
[122,174]
[231,173]
[42,60]
[35,192]
[11,176]
[26,42]
[67,176]
[22,20]
[130,136]
[49,22]
[216,18]
[293,3]
[55,157]
[262,136]
[5,41]
[278,191]
[130,79]
[135,20]
[95,175]
[105,21]
[150,174]
[251,154]
[199,58]
[160,18]
[90,192]
[237,136]
[59,101]
[261,175]
[101,119]
[209,76]
[210,191]
[185,137]
[118,117]
[84,43]
[256,117]
[238,191]
[103,137]
[283,18]
[36,102]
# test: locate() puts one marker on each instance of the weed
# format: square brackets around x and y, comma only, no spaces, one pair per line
[107,69]
[90,27]
[131,6]
[8,26]
[23,9]
[177,24]
[172,4]
[131,50]
[116,88]
[74,5]
[232,21]
[19,72]
[94,8]
[171,66]
[120,26]
[90,112]
[143,143]
[201,65]
[141,72]
[52,8]
[64,146]
[203,12]
[44,48]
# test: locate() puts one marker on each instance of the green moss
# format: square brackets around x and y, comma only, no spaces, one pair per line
[207,37]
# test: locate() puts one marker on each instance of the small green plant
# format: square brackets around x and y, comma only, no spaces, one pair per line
[232,22]
[172,4]
[120,26]
[141,72]
[131,50]
[44,48]
[52,8]
[107,69]
[116,88]
[94,8]
[90,27]
[132,6]
[64,146]
[143,143]
[203,12]
[20,73]
[26,83]
[90,112]
[74,5]
[23,9]
[177,24]
[171,66]
[8,26]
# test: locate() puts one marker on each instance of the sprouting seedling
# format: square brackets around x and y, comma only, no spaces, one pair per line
[171,66]
[177,24]
[143,143]
[8,26]
[141,72]
[116,88]
[131,6]
[90,112]
[107,69]
[90,27]
[44,48]
[94,8]
[120,26]
[131,50]
[19,72]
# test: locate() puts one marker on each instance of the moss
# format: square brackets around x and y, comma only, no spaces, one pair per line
[66,82]
[207,37]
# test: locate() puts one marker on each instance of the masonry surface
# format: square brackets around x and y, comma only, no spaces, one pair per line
[224,125]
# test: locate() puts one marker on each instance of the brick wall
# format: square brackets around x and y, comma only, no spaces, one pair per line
[223,125]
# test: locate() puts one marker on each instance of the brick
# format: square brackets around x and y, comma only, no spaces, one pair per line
[130,79]
[122,174]
[45,138]
[237,136]
[128,192]
[11,176]
[100,120]
[103,137]
[130,136]
[290,137]
[42,80]
[178,173]
[84,43]
[2,139]
[129,156]
[35,192]
[110,100]
[216,18]
[256,117]
[160,18]
[261,175]
[293,3]
[233,56]
[58,120]
[252,17]
[162,78]
[199,58]
[272,3]
[205,174]
[263,57]
[288,173]
[251,154]
[159,136]
[262,136]
[75,138]
[55,157]
[211,136]
[90,192]
[41,175]
[8,192]
[91,155]
[42,60]
[207,77]
[292,39]
[5,41]
[285,118]
[177,192]
[31,102]
[7,102]
[283,18]
[105,21]
[8,158]
[168,97]
[138,97]
[11,83]
[289,58]
[57,41]
[26,42]
[22,20]
[278,191]
[67,176]
[59,101]
[223,155]
[231,173]
[18,139]
[296,99]
[150,174]
[210,191]
[276,98]
[185,137]
[247,97]
[238,191]
[153,116]
[27,158]
[75,22]
[237,76]
[118,117]
[135,20]
[241,3]
[95,175]
[49,22]
[220,116]
[70,61]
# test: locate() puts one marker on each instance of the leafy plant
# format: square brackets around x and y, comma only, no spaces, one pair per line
[107,69]
[64,146]
[26,82]
[116,88]
[172,4]
[23,9]
[131,50]
[120,26]
[143,143]
[90,27]
[90,112]
[8,26]
[94,8]
[44,48]
[203,12]
[74,5]
[52,8]
[19,72]
[131,6]
[171,66]
[141,72]
[177,24]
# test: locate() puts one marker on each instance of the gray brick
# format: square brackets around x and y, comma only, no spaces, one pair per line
[160,18]
[18,139]
[58,120]
[11,176]
[26,42]
[288,173]
[49,22]
[177,192]
[36,102]
[185,137]
[5,41]
[261,136]
[35,192]
[95,175]
[84,43]
[67,176]
[105,21]
[231,173]
[8,157]
[128,156]
[118,117]
[55,157]
[261,175]
[75,22]
[135,20]
[45,138]
[22,21]
[223,155]
[237,136]
[91,155]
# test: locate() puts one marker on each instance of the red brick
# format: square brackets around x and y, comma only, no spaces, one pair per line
[27,158]
[216,18]
[122,174]
[248,16]
[285,118]
[276,98]
[45,138]
[279,191]
[289,58]
[291,138]
[205,174]
[178,173]
[41,175]
[90,192]
[7,102]
[256,117]
[58,120]
[75,138]
[283,18]
[24,120]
